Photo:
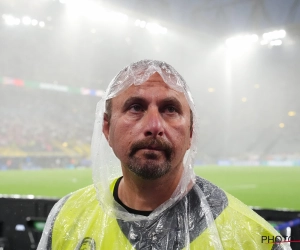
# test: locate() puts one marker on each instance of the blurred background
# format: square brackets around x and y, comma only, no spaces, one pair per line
[239,57]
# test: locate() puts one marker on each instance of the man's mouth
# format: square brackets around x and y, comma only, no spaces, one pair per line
[156,148]
[152,146]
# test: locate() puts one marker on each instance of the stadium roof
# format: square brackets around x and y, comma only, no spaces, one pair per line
[214,17]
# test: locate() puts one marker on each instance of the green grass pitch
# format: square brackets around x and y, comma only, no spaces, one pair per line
[265,187]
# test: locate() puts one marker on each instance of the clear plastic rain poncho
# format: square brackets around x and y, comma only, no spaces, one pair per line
[203,217]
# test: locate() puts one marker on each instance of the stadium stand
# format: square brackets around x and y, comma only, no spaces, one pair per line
[44,129]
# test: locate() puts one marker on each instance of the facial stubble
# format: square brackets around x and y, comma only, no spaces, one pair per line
[148,164]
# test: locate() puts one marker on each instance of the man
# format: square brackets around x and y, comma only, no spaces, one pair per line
[150,198]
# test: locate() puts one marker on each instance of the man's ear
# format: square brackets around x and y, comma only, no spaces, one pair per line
[191,128]
[105,127]
[191,136]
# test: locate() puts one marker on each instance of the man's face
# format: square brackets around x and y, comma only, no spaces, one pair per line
[149,128]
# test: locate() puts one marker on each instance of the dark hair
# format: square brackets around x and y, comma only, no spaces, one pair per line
[108,108]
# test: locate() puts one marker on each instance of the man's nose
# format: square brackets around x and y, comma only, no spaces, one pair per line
[154,123]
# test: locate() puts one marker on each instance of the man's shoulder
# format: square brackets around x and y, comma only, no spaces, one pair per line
[238,226]
[84,196]
[214,195]
[87,193]
[228,206]
[80,203]
[241,210]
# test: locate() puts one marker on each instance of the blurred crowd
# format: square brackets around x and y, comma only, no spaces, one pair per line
[38,125]
[42,129]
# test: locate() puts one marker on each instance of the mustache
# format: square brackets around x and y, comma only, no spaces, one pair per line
[152,143]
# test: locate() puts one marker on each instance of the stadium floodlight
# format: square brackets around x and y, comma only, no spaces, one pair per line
[34,22]
[276,43]
[274,35]
[264,42]
[17,21]
[143,24]
[164,30]
[42,24]
[281,33]
[154,28]
[273,38]
[10,20]
[137,22]
[239,44]
[241,41]
[26,20]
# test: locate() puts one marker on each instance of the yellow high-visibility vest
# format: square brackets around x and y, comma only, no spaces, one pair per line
[82,224]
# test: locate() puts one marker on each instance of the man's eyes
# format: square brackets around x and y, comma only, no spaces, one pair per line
[169,109]
[136,108]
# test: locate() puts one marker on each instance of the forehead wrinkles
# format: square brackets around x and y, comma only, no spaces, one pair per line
[151,91]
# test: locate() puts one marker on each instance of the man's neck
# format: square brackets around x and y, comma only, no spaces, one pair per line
[147,195]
